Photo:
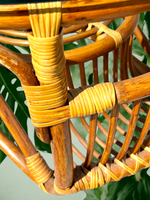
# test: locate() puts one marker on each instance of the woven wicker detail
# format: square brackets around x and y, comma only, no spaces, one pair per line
[95,177]
[48,61]
[41,102]
[124,166]
[49,65]
[140,160]
[96,180]
[83,101]
[38,167]
[92,100]
[114,34]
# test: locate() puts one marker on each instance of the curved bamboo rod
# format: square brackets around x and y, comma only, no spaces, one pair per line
[12,41]
[82,141]
[15,154]
[129,110]
[123,61]
[140,36]
[143,134]
[25,73]
[75,12]
[139,68]
[69,39]
[18,66]
[97,139]
[105,67]
[102,46]
[91,143]
[16,129]
[14,33]
[131,128]
[78,153]
[111,134]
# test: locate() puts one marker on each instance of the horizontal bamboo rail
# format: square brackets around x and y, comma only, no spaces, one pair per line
[75,12]
[133,89]
[98,48]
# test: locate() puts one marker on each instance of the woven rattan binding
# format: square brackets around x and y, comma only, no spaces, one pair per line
[47,102]
[114,34]
[82,102]
[49,65]
[96,175]
[100,174]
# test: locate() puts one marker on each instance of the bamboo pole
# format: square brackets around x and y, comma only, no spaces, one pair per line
[75,12]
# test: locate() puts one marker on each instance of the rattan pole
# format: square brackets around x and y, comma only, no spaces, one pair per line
[49,71]
[25,74]
[143,134]
[131,128]
[16,129]
[91,143]
[62,154]
[105,67]
[19,19]
[115,65]
[125,90]
[15,154]
[142,39]
[95,70]
[129,57]
[123,61]
[111,134]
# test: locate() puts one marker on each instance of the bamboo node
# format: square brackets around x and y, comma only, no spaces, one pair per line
[46,110]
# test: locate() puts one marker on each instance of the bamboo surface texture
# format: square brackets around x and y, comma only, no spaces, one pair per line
[72,14]
[52,99]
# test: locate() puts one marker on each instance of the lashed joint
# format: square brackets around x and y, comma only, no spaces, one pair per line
[45,110]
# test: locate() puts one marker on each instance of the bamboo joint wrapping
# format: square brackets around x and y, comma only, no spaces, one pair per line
[82,102]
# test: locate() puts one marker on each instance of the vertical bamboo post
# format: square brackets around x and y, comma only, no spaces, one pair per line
[50,69]
[62,154]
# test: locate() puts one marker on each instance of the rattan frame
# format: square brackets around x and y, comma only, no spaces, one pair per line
[89,175]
